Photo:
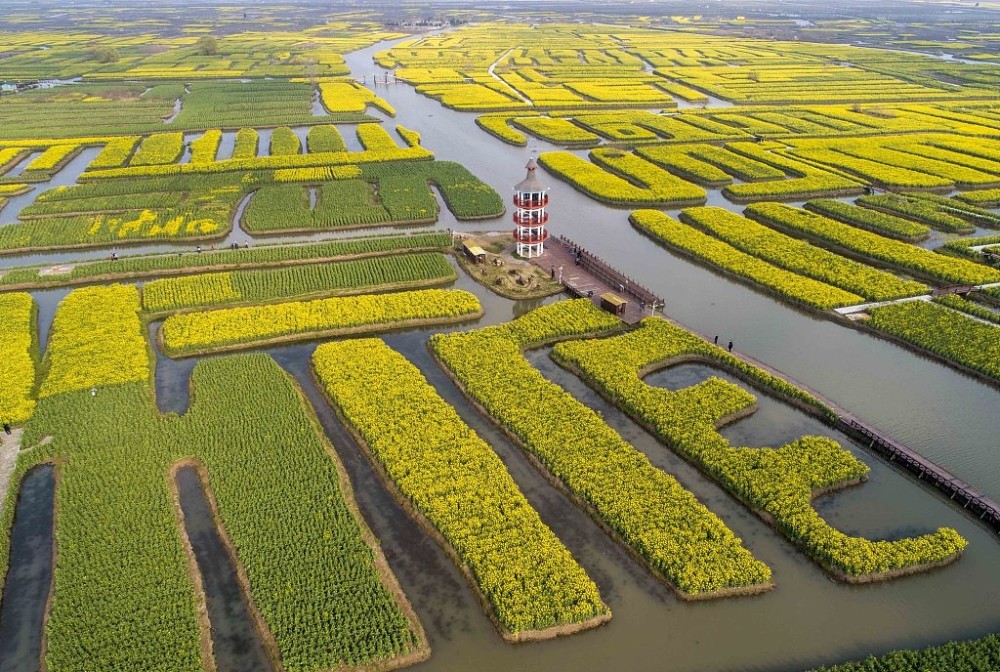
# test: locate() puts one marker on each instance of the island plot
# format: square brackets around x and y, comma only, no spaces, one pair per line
[646,509]
[459,489]
[776,483]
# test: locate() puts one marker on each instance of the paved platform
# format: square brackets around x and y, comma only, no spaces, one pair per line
[592,277]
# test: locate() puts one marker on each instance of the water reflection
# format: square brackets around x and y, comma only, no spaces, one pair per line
[26,588]
[235,643]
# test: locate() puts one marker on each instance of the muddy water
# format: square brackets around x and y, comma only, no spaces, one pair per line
[318,109]
[29,577]
[226,145]
[350,136]
[22,165]
[236,645]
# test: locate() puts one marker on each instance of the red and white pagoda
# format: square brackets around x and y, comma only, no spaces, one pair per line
[530,199]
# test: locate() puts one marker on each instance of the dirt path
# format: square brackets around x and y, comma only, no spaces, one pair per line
[9,448]
[497,77]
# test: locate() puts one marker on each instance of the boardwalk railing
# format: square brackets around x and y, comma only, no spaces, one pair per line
[954,289]
[603,271]
[988,511]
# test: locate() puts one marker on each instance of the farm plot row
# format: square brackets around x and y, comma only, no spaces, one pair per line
[124,205]
[259,286]
[397,193]
[488,68]
[765,248]
[188,334]
[647,509]
[129,108]
[949,334]
[582,127]
[275,53]
[258,256]
[614,176]
[158,153]
[668,175]
[461,488]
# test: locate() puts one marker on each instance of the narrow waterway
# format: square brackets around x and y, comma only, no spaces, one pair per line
[26,587]
[67,176]
[235,643]
[932,408]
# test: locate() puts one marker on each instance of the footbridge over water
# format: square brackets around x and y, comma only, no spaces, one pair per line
[585,274]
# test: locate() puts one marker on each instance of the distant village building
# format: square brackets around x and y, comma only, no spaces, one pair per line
[530,199]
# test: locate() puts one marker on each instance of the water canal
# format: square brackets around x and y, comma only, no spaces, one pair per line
[22,612]
[235,643]
[807,619]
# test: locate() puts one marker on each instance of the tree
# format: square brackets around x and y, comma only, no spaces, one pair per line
[105,54]
[207,45]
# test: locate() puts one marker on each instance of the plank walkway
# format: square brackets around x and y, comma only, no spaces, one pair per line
[976,503]
[881,444]
[593,276]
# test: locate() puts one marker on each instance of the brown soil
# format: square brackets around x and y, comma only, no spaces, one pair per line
[502,273]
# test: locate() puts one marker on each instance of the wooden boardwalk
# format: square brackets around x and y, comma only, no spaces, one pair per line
[586,275]
[976,504]
[979,505]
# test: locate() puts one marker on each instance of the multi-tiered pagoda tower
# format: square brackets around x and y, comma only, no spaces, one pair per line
[530,199]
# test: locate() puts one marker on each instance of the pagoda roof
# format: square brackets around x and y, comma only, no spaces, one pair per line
[531,183]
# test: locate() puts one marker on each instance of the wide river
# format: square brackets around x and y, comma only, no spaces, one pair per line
[808,619]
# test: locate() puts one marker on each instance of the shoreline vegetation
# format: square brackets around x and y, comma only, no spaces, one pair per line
[227,329]
[687,238]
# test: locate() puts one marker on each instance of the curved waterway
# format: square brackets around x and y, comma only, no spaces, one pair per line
[933,409]
[807,619]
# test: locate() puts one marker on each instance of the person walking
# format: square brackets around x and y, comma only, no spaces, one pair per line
[6,428]
[730,346]
[716,339]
